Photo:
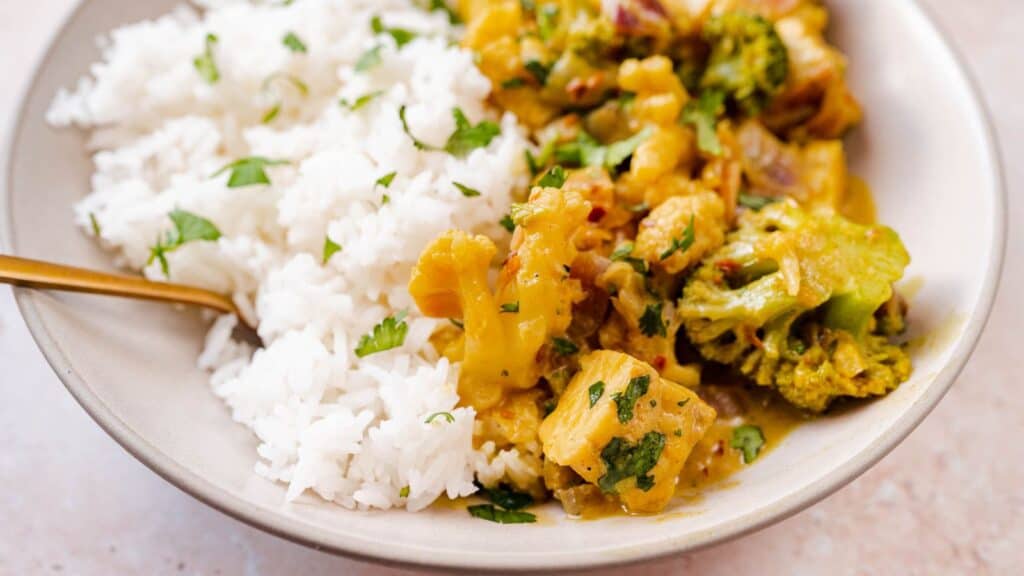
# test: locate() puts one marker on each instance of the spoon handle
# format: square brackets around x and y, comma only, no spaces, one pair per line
[36,274]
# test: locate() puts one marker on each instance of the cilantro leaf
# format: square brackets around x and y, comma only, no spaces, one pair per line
[624,254]
[294,43]
[703,115]
[683,243]
[330,249]
[360,101]
[620,151]
[271,114]
[435,5]
[466,190]
[513,83]
[510,307]
[493,514]
[206,64]
[547,15]
[404,492]
[507,223]
[96,230]
[753,202]
[468,137]
[188,227]
[369,60]
[386,180]
[627,399]
[624,460]
[749,440]
[651,322]
[249,171]
[538,70]
[390,333]
[537,163]
[595,392]
[564,346]
[419,144]
[457,323]
[446,415]
[505,497]
[585,150]
[400,35]
[554,178]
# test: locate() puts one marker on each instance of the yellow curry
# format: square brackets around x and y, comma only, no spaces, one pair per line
[691,214]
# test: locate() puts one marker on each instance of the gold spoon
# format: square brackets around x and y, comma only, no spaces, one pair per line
[35,274]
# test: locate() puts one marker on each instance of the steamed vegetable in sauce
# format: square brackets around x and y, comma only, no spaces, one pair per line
[691,214]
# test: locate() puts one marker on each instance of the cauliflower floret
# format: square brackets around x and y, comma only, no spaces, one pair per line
[664,232]
[507,328]
[790,301]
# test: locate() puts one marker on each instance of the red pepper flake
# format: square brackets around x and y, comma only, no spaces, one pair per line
[596,214]
[728,266]
[659,362]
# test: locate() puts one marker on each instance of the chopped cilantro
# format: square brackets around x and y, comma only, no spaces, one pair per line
[205,64]
[386,180]
[294,43]
[404,492]
[446,415]
[468,137]
[538,70]
[507,223]
[595,392]
[96,230]
[627,399]
[547,16]
[369,60]
[537,163]
[564,346]
[249,171]
[703,115]
[271,114]
[513,83]
[457,323]
[683,243]
[505,497]
[466,190]
[755,203]
[360,101]
[401,36]
[651,322]
[510,308]
[419,144]
[330,249]
[390,333]
[385,199]
[554,178]
[298,84]
[494,514]
[682,403]
[749,440]
[619,152]
[441,5]
[624,253]
[188,227]
[585,150]
[623,460]
[678,433]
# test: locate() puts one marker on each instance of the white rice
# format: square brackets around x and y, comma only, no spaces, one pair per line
[351,430]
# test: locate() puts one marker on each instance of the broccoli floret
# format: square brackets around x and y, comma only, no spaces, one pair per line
[748,60]
[790,302]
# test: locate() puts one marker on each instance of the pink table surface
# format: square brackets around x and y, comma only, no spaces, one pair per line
[949,500]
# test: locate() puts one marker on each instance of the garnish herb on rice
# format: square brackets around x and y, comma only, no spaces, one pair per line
[300,86]
[419,144]
[468,137]
[330,249]
[466,190]
[400,35]
[206,64]
[359,102]
[96,230]
[294,43]
[390,333]
[369,60]
[249,171]
[188,227]
[441,5]
[404,492]
[446,415]
[386,180]
[271,114]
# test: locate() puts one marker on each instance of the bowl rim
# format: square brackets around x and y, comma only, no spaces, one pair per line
[293,530]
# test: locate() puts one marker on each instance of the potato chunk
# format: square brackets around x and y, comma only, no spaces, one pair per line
[665,227]
[623,428]
[532,302]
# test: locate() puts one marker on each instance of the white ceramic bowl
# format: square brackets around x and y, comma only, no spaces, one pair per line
[926,148]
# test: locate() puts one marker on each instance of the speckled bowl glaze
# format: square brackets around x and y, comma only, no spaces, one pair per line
[926,148]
